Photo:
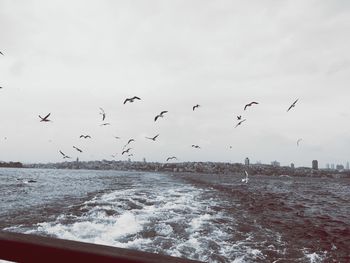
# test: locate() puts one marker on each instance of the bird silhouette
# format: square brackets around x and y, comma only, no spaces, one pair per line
[240,123]
[1,53]
[239,117]
[250,104]
[298,141]
[196,146]
[104,124]
[293,105]
[130,141]
[171,158]
[79,150]
[152,138]
[161,115]
[117,137]
[64,155]
[45,119]
[126,151]
[131,99]
[103,114]
[196,106]
[85,136]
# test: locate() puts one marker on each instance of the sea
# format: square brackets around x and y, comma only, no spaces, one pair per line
[205,217]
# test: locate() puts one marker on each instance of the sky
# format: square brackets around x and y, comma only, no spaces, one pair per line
[69,58]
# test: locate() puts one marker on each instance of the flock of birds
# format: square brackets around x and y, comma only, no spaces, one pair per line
[126,150]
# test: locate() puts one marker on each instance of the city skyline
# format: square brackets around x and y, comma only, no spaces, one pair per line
[71,58]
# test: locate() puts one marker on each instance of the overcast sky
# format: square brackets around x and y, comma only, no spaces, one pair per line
[72,57]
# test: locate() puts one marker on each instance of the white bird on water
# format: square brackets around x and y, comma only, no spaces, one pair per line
[245,180]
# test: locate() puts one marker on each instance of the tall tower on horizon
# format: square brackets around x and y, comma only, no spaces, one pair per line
[246,161]
[347,166]
[315,165]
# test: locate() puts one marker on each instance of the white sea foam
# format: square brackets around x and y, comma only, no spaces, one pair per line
[177,219]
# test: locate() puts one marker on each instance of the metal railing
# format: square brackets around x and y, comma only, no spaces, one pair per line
[32,248]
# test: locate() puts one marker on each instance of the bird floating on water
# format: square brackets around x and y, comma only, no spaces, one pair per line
[195,106]
[131,99]
[240,123]
[161,115]
[245,180]
[64,155]
[45,119]
[79,150]
[250,104]
[152,138]
[293,105]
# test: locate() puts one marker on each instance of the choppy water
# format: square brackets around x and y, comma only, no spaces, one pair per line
[204,217]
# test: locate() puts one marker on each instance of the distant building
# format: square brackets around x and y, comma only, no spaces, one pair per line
[332,166]
[292,165]
[327,166]
[340,167]
[315,164]
[144,159]
[347,166]
[275,163]
[246,161]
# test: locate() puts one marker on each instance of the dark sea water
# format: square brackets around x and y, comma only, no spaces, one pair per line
[211,218]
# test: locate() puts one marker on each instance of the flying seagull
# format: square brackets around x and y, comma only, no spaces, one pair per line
[161,115]
[45,119]
[293,105]
[196,106]
[117,137]
[130,155]
[196,146]
[84,136]
[103,114]
[245,180]
[130,141]
[250,104]
[239,117]
[64,156]
[171,158]
[77,149]
[298,141]
[126,151]
[240,123]
[1,53]
[153,138]
[104,124]
[131,99]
